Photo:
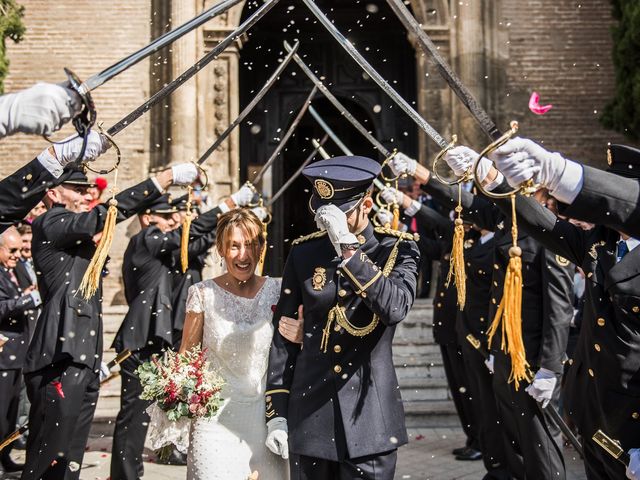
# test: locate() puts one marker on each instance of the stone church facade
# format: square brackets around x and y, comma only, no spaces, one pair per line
[502,50]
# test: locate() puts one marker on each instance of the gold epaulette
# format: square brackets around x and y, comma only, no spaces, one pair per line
[311,236]
[397,233]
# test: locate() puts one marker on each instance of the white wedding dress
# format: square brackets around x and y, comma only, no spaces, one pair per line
[237,335]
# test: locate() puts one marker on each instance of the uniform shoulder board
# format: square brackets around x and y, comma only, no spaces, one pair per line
[311,236]
[397,233]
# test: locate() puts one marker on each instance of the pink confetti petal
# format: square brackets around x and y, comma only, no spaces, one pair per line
[535,107]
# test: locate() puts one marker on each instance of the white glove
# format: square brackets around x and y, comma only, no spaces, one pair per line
[243,196]
[489,363]
[541,389]
[104,371]
[521,159]
[461,159]
[67,151]
[184,173]
[41,109]
[260,212]
[384,216]
[277,437]
[633,470]
[334,221]
[401,164]
[391,195]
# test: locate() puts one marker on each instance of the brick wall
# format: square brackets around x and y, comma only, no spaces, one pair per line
[561,49]
[86,36]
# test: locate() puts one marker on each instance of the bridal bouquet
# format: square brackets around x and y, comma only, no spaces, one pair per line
[182,387]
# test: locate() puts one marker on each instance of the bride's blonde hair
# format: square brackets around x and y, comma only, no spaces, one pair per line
[250,226]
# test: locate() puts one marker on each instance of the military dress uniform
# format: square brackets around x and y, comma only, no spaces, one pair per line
[148,271]
[339,392]
[546,316]
[602,389]
[445,311]
[18,313]
[63,359]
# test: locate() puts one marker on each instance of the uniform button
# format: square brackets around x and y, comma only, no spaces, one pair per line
[268,399]
[145,193]
[597,347]
[591,373]
[336,328]
[337,369]
[601,322]
[337,348]
[361,239]
[438,305]
[342,292]
[635,415]
[636,309]
[442,294]
[363,294]
[29,176]
[496,266]
[571,361]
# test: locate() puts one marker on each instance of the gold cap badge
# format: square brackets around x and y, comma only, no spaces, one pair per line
[324,189]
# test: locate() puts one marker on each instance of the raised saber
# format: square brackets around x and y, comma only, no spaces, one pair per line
[286,137]
[373,73]
[411,24]
[251,105]
[121,357]
[162,41]
[317,146]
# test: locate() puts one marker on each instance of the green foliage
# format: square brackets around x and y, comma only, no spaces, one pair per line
[12,27]
[623,112]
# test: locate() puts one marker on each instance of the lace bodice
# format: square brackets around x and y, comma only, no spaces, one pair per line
[237,334]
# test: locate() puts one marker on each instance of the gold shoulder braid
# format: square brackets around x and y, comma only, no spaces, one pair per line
[397,233]
[311,236]
[339,315]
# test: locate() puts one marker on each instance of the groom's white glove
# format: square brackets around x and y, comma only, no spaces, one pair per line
[633,470]
[278,437]
[334,221]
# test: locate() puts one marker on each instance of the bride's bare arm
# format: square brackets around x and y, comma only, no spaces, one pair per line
[192,334]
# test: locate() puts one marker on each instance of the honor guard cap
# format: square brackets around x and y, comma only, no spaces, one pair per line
[180,204]
[623,160]
[74,176]
[161,205]
[341,181]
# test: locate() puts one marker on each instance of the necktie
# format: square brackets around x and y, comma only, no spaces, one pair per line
[622,250]
[13,278]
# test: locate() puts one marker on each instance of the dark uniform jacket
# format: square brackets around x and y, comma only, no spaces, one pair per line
[17,320]
[547,280]
[345,402]
[607,199]
[148,270]
[445,299]
[603,385]
[70,327]
[13,207]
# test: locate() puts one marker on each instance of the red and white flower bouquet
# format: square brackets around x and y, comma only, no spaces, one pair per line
[182,387]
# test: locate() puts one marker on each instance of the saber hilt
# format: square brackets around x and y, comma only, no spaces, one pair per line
[612,447]
[14,436]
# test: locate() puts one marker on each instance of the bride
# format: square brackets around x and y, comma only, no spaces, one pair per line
[231,316]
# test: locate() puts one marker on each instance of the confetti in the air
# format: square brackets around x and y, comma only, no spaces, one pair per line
[535,107]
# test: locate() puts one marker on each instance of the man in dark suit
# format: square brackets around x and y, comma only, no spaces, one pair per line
[603,383]
[151,270]
[445,308]
[25,271]
[32,180]
[546,316]
[335,404]
[17,319]
[63,359]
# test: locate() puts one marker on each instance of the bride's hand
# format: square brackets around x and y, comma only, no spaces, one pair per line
[292,329]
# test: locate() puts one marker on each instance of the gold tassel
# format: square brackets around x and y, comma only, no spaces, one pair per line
[457,271]
[395,223]
[184,239]
[91,279]
[510,311]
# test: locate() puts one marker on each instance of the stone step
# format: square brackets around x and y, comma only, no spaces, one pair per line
[424,389]
[430,414]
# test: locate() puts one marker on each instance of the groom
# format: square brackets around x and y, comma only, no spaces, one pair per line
[335,402]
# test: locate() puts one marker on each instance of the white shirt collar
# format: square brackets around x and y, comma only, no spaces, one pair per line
[632,243]
[486,237]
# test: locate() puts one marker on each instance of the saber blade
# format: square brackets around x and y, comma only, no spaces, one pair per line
[373,73]
[247,110]
[411,24]
[162,41]
[190,72]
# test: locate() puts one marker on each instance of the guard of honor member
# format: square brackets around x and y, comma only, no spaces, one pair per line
[546,315]
[151,269]
[602,390]
[16,191]
[18,312]
[338,396]
[444,314]
[64,356]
